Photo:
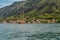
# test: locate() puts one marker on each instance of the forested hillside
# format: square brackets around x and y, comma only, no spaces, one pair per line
[32,9]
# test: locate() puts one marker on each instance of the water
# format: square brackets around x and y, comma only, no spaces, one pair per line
[29,31]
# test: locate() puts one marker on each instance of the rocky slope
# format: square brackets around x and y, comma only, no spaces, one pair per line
[31,6]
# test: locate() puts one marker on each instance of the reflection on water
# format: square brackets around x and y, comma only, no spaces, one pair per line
[30,32]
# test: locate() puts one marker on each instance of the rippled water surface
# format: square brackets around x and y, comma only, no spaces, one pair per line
[29,31]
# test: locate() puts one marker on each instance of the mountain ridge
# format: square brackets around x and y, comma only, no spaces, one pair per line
[43,6]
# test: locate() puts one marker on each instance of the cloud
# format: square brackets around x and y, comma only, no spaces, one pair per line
[14,0]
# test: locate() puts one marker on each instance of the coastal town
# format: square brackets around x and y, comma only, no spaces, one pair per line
[38,21]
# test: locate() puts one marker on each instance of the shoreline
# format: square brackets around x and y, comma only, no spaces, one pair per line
[30,23]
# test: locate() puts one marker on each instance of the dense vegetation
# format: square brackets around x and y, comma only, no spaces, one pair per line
[32,9]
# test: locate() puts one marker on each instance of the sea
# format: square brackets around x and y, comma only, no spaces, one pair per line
[30,31]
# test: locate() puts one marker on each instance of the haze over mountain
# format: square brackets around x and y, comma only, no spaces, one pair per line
[31,7]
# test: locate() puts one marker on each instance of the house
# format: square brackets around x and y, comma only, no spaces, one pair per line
[51,21]
[21,21]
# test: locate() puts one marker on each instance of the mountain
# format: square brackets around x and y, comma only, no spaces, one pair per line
[31,7]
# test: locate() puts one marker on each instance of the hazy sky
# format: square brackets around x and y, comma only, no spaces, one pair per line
[4,3]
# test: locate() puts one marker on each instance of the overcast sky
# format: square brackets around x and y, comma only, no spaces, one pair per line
[4,3]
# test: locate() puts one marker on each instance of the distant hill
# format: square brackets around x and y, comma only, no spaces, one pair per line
[31,7]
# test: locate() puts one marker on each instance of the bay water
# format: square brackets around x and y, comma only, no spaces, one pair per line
[29,31]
